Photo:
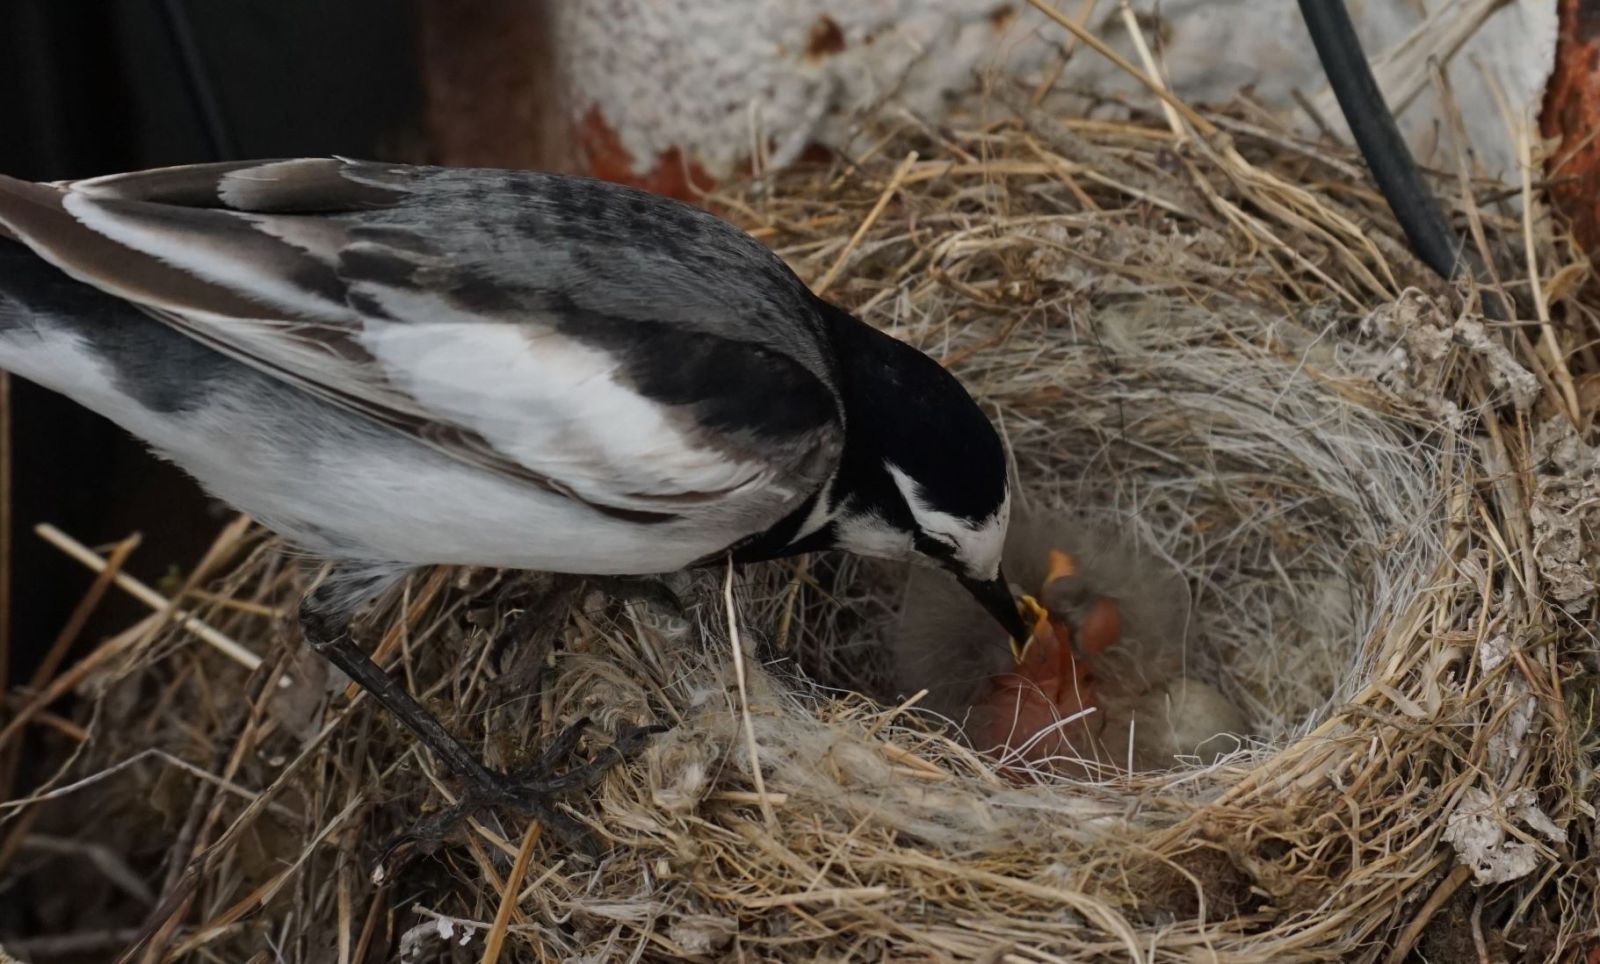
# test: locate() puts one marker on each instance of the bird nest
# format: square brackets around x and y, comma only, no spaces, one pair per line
[1193,329]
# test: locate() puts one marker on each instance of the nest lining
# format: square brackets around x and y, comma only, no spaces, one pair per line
[1181,340]
[1294,517]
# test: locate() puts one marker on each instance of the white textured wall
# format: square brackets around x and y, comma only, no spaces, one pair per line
[704,76]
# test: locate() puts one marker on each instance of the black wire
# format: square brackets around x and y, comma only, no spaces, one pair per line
[1393,168]
[197,80]
[1373,126]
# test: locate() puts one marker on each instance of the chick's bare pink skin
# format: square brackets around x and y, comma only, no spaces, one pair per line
[1054,679]
[1023,707]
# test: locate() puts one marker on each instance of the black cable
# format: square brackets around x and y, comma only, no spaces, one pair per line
[197,80]
[1375,132]
[1393,168]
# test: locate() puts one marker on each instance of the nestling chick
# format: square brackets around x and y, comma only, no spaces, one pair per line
[1106,655]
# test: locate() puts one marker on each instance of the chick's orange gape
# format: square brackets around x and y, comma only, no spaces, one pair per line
[1054,677]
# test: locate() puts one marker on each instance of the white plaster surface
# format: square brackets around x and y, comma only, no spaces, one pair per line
[715,77]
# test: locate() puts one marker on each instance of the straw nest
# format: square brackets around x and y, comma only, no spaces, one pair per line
[1383,507]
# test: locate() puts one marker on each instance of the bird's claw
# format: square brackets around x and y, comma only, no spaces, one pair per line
[531,791]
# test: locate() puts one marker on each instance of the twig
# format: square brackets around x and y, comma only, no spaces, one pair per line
[80,671]
[1136,33]
[58,652]
[76,944]
[1402,70]
[85,608]
[263,893]
[889,715]
[1099,46]
[109,862]
[822,286]
[137,758]
[1085,11]
[744,699]
[60,724]
[1446,890]
[790,597]
[1518,127]
[496,938]
[138,590]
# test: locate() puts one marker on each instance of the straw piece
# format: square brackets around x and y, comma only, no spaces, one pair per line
[138,590]
[495,941]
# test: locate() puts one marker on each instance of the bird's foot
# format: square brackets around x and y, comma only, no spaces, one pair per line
[532,791]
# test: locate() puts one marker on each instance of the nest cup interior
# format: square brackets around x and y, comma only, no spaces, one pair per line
[1296,517]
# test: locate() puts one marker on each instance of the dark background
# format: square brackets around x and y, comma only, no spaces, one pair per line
[97,86]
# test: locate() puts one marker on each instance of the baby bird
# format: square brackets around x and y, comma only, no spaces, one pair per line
[1100,683]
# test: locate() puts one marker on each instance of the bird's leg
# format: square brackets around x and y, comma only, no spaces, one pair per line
[531,791]
[333,642]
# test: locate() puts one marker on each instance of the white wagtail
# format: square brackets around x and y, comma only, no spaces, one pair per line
[398,366]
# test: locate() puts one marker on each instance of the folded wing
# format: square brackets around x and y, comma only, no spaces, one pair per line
[634,354]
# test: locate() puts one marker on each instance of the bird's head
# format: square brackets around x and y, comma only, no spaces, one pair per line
[923,476]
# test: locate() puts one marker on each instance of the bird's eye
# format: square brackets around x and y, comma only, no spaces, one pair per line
[935,545]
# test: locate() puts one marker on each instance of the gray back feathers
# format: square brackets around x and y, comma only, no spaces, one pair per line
[356,282]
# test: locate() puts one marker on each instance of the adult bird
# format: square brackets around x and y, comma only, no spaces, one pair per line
[395,366]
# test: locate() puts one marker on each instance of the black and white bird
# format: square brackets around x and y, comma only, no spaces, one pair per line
[397,366]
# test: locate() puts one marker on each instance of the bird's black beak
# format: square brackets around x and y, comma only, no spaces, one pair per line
[995,596]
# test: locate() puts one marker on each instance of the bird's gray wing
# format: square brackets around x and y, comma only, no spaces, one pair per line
[630,352]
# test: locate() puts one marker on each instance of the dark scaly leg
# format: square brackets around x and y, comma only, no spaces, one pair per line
[325,620]
[530,791]
[332,640]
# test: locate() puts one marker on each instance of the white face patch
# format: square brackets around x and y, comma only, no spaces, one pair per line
[821,513]
[978,546]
